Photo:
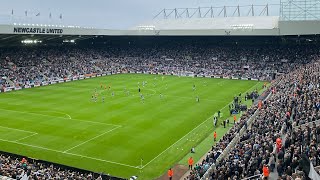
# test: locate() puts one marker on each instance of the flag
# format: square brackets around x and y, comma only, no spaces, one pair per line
[38,14]
[50,15]
[308,168]
[26,13]
[12,12]
[60,16]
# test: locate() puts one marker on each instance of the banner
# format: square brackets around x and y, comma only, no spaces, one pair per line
[89,75]
[33,30]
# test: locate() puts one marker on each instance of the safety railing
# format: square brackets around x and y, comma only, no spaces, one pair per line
[258,176]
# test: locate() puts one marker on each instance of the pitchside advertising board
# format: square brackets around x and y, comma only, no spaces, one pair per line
[86,76]
[56,81]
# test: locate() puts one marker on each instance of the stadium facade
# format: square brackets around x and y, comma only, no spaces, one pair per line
[226,26]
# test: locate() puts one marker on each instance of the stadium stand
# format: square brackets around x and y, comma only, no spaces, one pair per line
[250,142]
[22,67]
[291,114]
[18,167]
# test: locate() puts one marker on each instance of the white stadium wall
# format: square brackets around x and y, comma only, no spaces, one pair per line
[310,27]
[248,26]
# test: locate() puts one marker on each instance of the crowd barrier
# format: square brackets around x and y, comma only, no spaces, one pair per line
[258,176]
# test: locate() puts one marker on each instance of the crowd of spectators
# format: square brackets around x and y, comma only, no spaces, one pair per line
[287,115]
[302,134]
[17,167]
[33,65]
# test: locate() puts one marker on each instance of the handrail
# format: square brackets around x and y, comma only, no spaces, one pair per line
[305,124]
[258,176]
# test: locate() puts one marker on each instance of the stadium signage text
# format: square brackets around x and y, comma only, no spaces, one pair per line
[28,30]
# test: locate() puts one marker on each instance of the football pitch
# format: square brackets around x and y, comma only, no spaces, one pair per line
[125,135]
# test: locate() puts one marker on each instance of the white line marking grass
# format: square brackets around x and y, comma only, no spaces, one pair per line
[17,129]
[26,137]
[71,154]
[192,130]
[98,159]
[44,115]
[90,139]
[57,112]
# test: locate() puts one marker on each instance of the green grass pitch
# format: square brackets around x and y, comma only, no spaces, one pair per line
[60,123]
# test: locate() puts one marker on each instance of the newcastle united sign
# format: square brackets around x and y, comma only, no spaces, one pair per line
[32,30]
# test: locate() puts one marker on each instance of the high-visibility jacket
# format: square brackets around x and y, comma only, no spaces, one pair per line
[190,161]
[265,170]
[170,173]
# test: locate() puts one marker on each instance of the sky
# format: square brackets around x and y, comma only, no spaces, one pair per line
[108,14]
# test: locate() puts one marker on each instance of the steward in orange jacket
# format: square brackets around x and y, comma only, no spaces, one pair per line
[170,173]
[190,162]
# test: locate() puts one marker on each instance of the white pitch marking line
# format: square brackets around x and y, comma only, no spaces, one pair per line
[58,113]
[182,97]
[26,137]
[17,129]
[72,154]
[94,122]
[69,116]
[190,132]
[90,139]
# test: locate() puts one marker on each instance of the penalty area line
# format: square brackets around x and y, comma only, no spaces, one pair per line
[26,137]
[91,139]
[17,129]
[71,154]
[72,119]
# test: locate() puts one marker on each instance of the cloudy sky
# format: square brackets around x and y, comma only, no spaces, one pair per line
[110,14]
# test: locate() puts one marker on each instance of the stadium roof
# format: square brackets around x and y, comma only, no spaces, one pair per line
[255,22]
[219,26]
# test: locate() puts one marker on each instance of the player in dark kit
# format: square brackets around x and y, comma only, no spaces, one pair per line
[139,90]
